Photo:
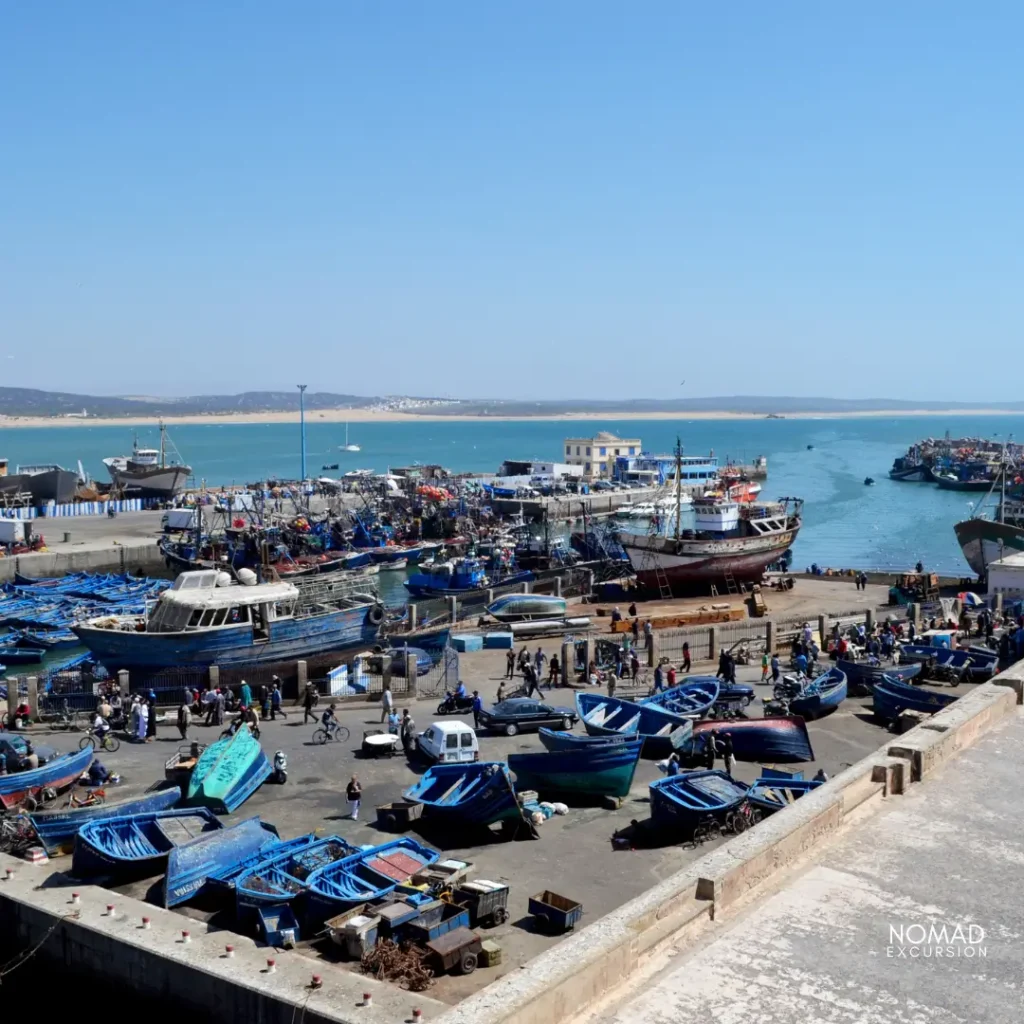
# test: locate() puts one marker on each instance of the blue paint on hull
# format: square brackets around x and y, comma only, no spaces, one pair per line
[821,695]
[891,698]
[601,769]
[479,793]
[681,802]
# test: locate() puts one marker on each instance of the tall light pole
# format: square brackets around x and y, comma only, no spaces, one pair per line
[302,423]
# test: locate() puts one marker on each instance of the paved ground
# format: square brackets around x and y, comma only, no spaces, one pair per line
[574,855]
[858,937]
[92,532]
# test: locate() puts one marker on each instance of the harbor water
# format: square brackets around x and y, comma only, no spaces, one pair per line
[888,525]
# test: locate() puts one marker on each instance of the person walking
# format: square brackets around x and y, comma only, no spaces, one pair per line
[775,668]
[184,720]
[530,675]
[728,754]
[387,702]
[659,678]
[477,706]
[634,666]
[151,719]
[264,701]
[275,702]
[510,664]
[670,678]
[523,660]
[308,703]
[636,631]
[218,708]
[407,731]
[764,667]
[501,692]
[186,696]
[354,792]
[710,749]
[245,694]
[143,723]
[686,658]
[539,660]
[554,673]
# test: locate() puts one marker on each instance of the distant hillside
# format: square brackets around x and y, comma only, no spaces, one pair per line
[31,402]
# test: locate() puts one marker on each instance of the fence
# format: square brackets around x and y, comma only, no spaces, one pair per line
[78,686]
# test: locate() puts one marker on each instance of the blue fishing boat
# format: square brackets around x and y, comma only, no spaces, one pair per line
[780,740]
[205,619]
[474,793]
[681,802]
[605,716]
[769,795]
[692,699]
[891,697]
[820,695]
[561,740]
[458,576]
[18,788]
[282,874]
[228,772]
[523,607]
[919,653]
[364,876]
[226,878]
[57,829]
[14,652]
[979,665]
[861,676]
[595,769]
[137,845]
[50,639]
[189,865]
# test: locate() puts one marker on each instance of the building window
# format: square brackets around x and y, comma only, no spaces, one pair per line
[632,451]
[587,467]
[616,451]
[568,449]
[588,451]
[603,451]
[577,449]
[604,467]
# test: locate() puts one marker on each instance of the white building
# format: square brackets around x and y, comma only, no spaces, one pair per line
[597,454]
[1006,576]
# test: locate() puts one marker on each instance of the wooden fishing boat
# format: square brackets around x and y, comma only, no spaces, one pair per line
[976,664]
[57,829]
[227,773]
[474,793]
[861,676]
[693,699]
[225,878]
[769,795]
[137,845]
[681,802]
[283,873]
[561,740]
[779,740]
[821,695]
[189,865]
[891,697]
[25,788]
[601,769]
[364,876]
[605,716]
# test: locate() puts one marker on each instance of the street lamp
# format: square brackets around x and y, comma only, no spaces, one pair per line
[302,424]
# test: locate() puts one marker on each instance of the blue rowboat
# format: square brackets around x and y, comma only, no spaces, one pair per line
[681,802]
[560,740]
[980,665]
[478,793]
[608,716]
[602,769]
[57,829]
[861,676]
[137,845]
[821,695]
[189,865]
[693,698]
[919,653]
[227,773]
[364,876]
[780,740]
[225,878]
[19,788]
[769,795]
[281,875]
[892,697]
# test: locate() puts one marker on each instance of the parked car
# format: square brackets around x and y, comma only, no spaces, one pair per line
[524,714]
[448,742]
[603,485]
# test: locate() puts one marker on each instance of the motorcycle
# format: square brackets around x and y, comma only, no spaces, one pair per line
[280,775]
[453,705]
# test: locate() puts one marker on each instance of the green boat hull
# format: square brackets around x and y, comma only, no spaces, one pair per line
[227,773]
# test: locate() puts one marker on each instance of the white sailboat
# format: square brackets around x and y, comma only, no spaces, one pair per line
[346,447]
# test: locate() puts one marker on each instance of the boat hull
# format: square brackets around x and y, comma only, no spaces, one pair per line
[890,698]
[227,773]
[769,795]
[604,716]
[524,607]
[57,774]
[916,474]
[694,698]
[984,541]
[779,740]
[479,794]
[602,769]
[57,829]
[861,677]
[189,865]
[680,802]
[288,639]
[561,740]
[157,482]
[821,696]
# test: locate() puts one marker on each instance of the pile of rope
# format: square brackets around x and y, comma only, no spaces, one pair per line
[388,961]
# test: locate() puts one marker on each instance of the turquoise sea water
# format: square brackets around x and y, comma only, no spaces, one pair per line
[846,523]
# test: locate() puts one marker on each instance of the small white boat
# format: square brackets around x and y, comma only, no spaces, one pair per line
[398,563]
[346,447]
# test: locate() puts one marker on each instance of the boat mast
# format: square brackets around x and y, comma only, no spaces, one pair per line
[163,430]
[679,482]
[1002,484]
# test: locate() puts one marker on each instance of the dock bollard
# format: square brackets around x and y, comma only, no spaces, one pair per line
[186,937]
[9,874]
[145,923]
[417,1015]
[271,966]
[229,951]
[367,999]
[111,910]
[316,981]
[76,898]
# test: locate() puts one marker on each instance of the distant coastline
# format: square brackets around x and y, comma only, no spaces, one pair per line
[391,416]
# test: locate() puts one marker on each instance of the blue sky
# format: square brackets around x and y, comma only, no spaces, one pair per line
[526,200]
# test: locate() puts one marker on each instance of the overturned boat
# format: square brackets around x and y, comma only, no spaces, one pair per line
[591,769]
[522,607]
[610,716]
[477,793]
[228,772]
[780,740]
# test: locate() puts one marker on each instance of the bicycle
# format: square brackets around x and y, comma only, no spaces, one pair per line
[742,818]
[107,741]
[707,828]
[67,719]
[16,835]
[333,732]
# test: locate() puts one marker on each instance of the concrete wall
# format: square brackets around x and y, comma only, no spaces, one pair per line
[143,555]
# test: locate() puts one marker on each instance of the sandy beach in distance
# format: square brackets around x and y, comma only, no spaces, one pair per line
[389,416]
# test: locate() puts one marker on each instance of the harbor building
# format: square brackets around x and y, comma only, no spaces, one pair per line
[652,470]
[597,454]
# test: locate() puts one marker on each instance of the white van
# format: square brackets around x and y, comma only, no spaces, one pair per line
[449,743]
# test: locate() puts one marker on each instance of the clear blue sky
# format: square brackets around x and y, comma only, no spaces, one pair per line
[542,200]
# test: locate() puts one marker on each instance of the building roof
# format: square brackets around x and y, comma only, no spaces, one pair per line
[1014,561]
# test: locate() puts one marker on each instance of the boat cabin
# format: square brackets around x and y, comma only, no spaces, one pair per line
[208,598]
